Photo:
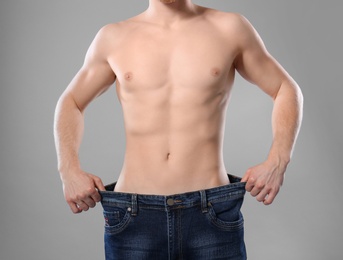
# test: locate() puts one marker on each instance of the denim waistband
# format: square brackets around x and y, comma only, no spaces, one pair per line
[234,190]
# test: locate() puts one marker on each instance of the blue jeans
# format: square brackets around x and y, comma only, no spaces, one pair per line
[206,224]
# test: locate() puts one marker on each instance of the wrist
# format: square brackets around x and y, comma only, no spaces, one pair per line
[278,161]
[279,155]
[68,170]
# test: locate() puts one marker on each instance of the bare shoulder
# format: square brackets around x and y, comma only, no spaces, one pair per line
[232,25]
[118,27]
[114,32]
[228,21]
[109,31]
[111,36]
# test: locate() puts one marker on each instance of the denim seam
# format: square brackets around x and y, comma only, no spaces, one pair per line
[226,198]
[179,233]
[120,226]
[226,226]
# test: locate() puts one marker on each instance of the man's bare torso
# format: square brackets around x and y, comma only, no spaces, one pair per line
[173,83]
[174,67]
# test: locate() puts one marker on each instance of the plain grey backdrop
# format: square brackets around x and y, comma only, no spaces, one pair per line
[42,46]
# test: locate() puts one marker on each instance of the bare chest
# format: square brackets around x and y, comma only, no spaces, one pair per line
[193,58]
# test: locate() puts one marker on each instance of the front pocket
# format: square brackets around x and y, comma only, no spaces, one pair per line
[226,215]
[116,220]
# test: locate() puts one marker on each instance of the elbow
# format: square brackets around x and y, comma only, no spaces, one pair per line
[292,96]
[67,101]
[290,89]
[298,95]
[66,107]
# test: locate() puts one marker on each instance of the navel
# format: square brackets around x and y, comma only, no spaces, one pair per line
[215,72]
[128,76]
[168,155]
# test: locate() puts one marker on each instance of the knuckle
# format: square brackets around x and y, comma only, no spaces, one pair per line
[259,185]
[90,190]
[248,188]
[269,187]
[83,193]
[69,200]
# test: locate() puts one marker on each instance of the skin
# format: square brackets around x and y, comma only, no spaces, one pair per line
[174,67]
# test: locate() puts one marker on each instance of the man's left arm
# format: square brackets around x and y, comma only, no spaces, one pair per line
[256,65]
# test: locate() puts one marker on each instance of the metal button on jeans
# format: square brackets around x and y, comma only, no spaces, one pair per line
[170,202]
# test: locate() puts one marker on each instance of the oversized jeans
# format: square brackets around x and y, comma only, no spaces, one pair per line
[205,224]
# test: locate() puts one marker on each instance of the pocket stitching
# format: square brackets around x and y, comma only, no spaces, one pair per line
[120,226]
[226,226]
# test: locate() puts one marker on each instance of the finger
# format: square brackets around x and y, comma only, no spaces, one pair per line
[270,198]
[250,184]
[255,191]
[95,196]
[90,202]
[262,196]
[98,184]
[74,208]
[258,187]
[246,176]
[83,205]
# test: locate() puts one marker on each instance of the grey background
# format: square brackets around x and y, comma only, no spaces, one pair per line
[42,45]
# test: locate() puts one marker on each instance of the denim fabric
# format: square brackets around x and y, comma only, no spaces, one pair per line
[205,224]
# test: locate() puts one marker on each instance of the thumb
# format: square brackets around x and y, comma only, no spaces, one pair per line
[246,176]
[98,183]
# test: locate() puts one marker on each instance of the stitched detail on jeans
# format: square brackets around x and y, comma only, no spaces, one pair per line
[224,225]
[115,229]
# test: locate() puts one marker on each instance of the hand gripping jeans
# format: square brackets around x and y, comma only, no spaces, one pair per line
[200,225]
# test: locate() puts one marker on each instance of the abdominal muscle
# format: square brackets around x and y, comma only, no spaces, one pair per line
[174,140]
[150,168]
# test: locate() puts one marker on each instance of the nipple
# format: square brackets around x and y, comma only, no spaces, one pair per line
[128,76]
[215,72]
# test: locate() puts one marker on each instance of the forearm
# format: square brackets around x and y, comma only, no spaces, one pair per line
[68,132]
[286,121]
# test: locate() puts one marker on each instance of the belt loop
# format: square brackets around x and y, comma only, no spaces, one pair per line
[134,205]
[203,201]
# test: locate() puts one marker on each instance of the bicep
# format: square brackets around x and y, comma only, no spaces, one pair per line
[255,64]
[95,76]
[91,81]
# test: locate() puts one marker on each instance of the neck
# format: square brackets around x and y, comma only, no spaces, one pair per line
[170,11]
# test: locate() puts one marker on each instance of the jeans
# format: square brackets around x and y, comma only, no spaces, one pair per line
[205,224]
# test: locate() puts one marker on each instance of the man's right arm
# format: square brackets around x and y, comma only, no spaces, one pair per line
[94,78]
